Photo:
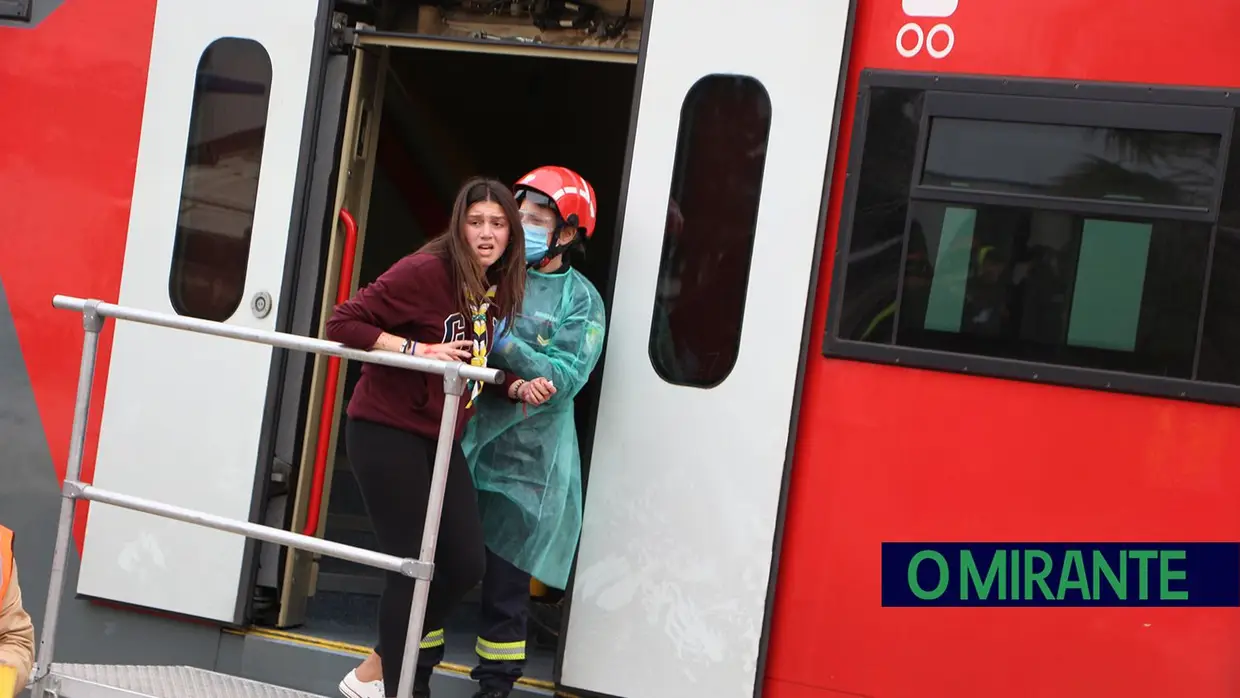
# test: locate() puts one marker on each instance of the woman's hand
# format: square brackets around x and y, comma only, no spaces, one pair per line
[535,392]
[460,350]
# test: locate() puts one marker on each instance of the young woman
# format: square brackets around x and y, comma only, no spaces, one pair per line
[442,302]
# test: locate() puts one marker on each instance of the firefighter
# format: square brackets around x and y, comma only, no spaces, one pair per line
[16,630]
[525,460]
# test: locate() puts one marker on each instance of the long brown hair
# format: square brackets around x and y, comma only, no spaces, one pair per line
[471,280]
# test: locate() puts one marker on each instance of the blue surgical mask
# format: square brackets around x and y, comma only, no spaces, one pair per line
[535,243]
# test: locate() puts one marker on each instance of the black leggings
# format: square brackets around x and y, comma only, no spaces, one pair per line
[393,469]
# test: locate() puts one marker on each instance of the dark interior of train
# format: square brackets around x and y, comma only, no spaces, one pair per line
[448,116]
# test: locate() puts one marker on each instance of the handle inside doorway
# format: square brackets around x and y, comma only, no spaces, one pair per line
[327,409]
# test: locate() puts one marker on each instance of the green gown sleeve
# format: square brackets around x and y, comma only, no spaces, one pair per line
[571,350]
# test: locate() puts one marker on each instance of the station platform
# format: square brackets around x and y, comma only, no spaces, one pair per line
[307,662]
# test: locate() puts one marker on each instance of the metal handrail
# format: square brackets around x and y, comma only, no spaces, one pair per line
[390,563]
[282,340]
[94,312]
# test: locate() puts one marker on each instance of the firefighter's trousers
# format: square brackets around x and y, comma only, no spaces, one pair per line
[501,639]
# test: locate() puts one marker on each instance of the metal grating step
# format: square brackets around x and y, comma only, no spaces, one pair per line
[91,680]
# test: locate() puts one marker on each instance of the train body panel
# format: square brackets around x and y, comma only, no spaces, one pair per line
[887,453]
[70,153]
[74,81]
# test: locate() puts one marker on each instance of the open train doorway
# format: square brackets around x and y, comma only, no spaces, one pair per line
[447,116]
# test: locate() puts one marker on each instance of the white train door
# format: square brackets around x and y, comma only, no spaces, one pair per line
[720,227]
[216,182]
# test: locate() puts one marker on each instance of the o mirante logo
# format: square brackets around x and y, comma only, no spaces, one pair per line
[1061,574]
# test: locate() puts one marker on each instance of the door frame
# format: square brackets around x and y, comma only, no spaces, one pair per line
[286,398]
[299,573]
[351,188]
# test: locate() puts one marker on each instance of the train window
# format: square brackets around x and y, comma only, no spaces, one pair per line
[1220,331]
[711,224]
[972,244]
[878,217]
[1080,162]
[1053,287]
[219,187]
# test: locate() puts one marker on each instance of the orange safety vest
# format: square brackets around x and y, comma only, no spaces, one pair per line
[6,560]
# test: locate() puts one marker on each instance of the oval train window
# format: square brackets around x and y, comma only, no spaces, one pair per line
[711,224]
[219,186]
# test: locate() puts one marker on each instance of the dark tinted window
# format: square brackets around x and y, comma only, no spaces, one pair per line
[711,222]
[228,123]
[1080,162]
[1220,336]
[1054,287]
[970,269]
[880,214]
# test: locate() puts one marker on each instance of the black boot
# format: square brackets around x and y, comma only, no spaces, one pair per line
[547,619]
[492,693]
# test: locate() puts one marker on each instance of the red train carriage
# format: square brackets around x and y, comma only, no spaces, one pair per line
[1073,168]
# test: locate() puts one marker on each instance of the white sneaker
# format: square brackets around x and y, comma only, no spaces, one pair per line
[353,687]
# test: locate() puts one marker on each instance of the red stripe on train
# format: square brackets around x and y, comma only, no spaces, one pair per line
[73,91]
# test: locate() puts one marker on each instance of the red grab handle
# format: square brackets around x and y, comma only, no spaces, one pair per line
[326,411]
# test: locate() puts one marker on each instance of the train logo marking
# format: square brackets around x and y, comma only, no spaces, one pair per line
[927,9]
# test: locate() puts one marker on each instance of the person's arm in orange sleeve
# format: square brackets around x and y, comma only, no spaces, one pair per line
[16,633]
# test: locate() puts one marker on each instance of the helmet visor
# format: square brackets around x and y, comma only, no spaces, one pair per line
[538,209]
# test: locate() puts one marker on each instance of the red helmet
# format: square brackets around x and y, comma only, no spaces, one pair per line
[571,194]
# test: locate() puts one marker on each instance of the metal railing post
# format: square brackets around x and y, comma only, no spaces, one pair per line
[453,388]
[92,322]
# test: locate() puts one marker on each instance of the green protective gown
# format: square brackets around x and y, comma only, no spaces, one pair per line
[524,459]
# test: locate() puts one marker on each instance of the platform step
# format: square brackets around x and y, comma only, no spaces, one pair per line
[91,680]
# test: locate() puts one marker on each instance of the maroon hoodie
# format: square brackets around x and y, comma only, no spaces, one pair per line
[414,299]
